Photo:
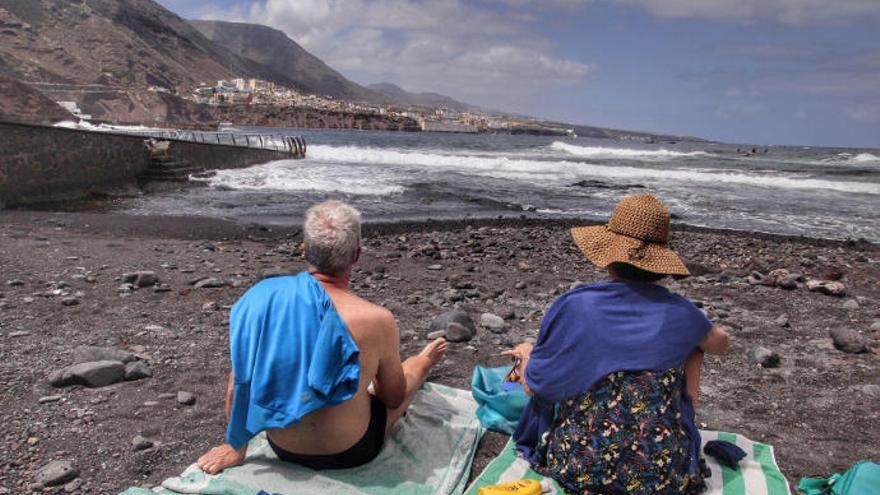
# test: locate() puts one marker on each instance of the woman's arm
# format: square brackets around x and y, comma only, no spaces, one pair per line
[717,341]
[692,370]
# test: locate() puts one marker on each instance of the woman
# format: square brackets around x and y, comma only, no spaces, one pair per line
[616,367]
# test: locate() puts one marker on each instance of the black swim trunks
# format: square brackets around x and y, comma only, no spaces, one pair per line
[365,450]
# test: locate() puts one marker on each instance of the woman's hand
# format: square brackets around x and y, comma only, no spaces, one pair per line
[521,354]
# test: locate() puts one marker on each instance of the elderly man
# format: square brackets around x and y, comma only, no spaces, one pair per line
[304,352]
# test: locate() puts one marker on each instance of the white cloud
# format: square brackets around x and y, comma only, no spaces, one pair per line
[447,46]
[787,11]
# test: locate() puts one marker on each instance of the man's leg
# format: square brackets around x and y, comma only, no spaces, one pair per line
[693,368]
[416,370]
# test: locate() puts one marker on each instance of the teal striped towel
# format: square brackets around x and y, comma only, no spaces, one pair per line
[429,451]
[758,473]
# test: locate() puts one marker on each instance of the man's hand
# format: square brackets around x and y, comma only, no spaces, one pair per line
[220,458]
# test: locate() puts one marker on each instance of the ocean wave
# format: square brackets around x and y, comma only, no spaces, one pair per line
[561,171]
[291,175]
[865,157]
[635,154]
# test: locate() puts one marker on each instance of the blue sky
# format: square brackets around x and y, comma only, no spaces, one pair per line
[750,71]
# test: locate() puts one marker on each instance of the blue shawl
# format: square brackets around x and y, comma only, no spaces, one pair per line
[597,329]
[291,354]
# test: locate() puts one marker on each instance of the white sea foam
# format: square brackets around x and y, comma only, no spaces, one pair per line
[295,175]
[633,154]
[562,171]
[865,157]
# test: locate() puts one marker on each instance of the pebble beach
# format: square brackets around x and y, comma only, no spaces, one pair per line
[150,295]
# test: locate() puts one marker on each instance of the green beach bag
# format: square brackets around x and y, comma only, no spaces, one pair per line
[861,479]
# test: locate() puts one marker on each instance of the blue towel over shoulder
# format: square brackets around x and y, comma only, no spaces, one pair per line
[291,354]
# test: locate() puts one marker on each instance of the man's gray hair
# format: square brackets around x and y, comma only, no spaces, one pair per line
[332,236]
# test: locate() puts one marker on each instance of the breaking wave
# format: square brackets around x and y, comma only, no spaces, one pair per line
[634,154]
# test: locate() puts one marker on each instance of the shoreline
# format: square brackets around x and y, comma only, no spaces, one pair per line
[228,227]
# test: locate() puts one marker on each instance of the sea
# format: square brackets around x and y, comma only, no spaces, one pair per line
[394,176]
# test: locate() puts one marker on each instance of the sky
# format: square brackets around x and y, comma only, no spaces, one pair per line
[799,72]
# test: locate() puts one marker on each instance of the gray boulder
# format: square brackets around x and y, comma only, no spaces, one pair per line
[93,375]
[142,278]
[209,283]
[185,398]
[764,357]
[90,354]
[461,319]
[493,322]
[458,333]
[848,341]
[56,473]
[137,370]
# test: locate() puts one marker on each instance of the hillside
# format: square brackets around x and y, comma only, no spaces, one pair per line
[20,103]
[401,96]
[275,50]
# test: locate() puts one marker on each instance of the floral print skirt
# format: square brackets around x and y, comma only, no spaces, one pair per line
[623,437]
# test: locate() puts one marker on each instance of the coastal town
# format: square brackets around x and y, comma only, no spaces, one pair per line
[242,91]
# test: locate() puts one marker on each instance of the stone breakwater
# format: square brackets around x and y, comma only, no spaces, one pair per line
[40,164]
[802,373]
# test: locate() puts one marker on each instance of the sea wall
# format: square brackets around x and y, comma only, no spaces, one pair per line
[40,164]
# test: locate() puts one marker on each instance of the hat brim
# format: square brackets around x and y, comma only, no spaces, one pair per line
[603,247]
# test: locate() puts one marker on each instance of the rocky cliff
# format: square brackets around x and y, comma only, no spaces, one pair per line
[21,103]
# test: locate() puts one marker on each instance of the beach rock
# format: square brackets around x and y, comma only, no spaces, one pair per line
[442,321]
[186,398]
[142,278]
[46,399]
[493,322]
[209,307]
[458,333]
[851,305]
[89,354]
[875,327]
[137,370]
[520,285]
[56,473]
[827,287]
[435,267]
[93,375]
[764,357]
[209,283]
[141,443]
[69,301]
[848,341]
[15,282]
[782,321]
[871,390]
[436,334]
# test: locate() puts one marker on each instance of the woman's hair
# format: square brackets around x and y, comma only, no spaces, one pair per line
[635,274]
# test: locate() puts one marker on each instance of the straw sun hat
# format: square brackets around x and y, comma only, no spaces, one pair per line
[637,234]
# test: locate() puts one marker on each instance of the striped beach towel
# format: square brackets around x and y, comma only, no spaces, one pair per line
[758,473]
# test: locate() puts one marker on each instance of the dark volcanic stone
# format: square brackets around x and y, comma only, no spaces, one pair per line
[88,354]
[56,473]
[93,375]
[458,333]
[848,341]
[765,357]
[137,370]
[442,321]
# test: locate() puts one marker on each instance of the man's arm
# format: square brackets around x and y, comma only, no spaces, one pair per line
[230,386]
[390,383]
[224,456]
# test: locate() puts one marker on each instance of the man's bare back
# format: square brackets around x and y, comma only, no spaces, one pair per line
[332,430]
